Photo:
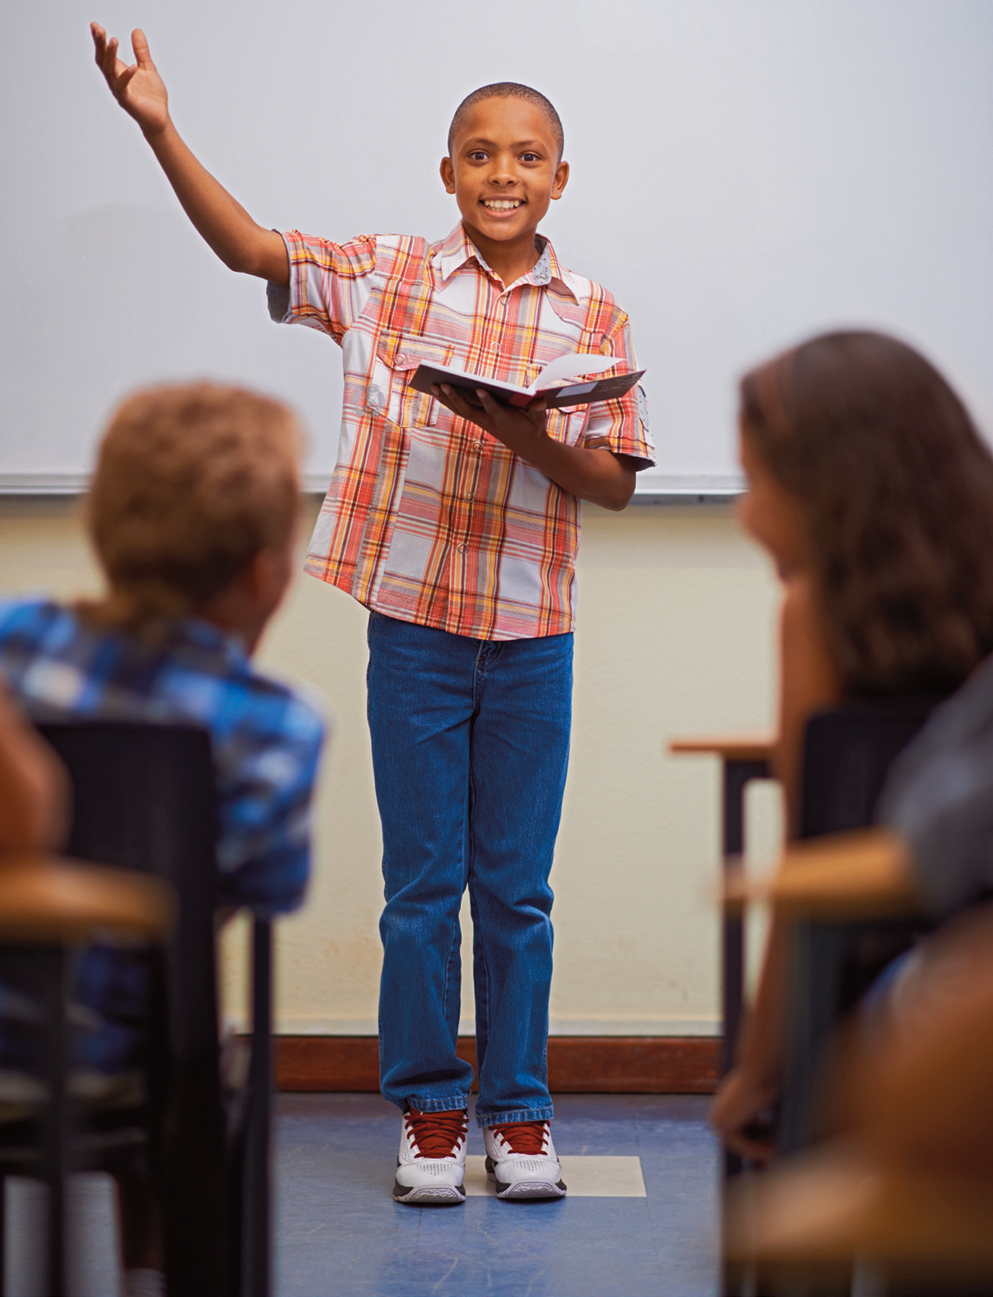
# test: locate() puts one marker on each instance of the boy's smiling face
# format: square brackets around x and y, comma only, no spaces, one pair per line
[504,171]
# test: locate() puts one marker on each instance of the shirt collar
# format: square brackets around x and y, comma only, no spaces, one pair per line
[207,637]
[458,249]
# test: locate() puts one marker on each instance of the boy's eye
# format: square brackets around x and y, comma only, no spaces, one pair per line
[529,157]
[478,155]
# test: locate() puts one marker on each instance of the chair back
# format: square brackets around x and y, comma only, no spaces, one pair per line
[143,798]
[846,758]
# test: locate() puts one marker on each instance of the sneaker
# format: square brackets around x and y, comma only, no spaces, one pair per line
[520,1158]
[431,1164]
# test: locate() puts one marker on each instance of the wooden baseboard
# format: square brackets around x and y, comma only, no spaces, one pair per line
[576,1064]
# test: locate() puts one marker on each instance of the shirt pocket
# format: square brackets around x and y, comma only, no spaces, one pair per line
[568,425]
[397,358]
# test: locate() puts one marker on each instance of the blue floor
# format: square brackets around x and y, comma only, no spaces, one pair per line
[339,1233]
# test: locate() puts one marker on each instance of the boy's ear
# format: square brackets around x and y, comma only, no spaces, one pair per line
[561,179]
[448,175]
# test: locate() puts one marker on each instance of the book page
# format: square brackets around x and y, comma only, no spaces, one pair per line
[571,365]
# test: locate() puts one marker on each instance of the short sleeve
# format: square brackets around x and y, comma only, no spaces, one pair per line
[329,283]
[939,798]
[266,775]
[622,425]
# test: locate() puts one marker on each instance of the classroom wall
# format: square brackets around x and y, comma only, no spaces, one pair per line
[676,625]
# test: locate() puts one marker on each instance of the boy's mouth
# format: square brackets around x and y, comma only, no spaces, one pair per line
[502,204]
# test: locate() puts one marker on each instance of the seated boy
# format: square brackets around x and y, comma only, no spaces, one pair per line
[192,514]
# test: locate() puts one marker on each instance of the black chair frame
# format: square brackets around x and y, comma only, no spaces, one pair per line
[143,799]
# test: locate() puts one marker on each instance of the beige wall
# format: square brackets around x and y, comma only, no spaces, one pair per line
[676,617]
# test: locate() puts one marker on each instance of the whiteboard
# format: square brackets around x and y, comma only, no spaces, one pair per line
[744,173]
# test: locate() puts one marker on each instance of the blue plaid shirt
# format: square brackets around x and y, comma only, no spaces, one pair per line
[265,738]
[265,742]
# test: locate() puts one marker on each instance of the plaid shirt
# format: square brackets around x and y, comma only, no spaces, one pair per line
[265,740]
[429,519]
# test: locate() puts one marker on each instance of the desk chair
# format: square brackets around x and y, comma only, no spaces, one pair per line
[143,797]
[743,757]
[905,1198]
[48,908]
[847,755]
[805,1225]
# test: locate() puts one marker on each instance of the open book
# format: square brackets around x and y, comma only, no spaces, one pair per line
[571,365]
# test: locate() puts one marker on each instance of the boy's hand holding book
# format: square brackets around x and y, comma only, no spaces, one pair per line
[516,416]
[592,473]
[509,424]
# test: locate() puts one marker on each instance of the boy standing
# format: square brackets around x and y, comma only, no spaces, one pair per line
[457,527]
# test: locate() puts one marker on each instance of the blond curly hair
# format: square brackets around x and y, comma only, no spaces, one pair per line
[191,483]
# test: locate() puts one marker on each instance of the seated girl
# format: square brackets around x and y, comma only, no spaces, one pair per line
[872,491]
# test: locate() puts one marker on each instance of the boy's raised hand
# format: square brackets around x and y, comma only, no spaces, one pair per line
[240,242]
[138,89]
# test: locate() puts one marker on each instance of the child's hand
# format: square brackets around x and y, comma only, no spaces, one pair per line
[736,1113]
[513,426]
[592,473]
[138,89]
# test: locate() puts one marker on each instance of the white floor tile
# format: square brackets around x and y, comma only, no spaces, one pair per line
[586,1177]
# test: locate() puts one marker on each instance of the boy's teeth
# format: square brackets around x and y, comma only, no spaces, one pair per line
[500,204]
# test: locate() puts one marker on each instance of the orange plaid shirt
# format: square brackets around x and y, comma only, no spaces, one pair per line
[428,518]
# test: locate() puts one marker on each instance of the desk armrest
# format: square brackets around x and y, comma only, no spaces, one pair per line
[48,898]
[843,875]
[837,1204]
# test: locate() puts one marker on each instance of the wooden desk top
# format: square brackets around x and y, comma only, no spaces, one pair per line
[729,747]
[845,875]
[841,1203]
[48,898]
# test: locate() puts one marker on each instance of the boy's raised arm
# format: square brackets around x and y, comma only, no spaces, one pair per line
[240,243]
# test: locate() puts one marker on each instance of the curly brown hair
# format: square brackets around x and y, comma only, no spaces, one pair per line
[897,487]
[191,483]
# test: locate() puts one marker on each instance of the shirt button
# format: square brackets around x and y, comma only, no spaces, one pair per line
[469,495]
[462,548]
[494,346]
[401,359]
[479,445]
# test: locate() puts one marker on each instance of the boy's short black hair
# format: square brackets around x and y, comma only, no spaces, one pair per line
[509,90]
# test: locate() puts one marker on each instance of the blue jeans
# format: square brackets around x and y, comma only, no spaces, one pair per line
[470,745]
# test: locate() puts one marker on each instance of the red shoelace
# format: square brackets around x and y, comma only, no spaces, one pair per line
[436,1134]
[523,1136]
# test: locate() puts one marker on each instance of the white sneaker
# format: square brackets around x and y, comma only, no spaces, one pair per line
[431,1164]
[520,1158]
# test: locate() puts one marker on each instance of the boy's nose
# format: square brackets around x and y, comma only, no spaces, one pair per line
[503,171]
